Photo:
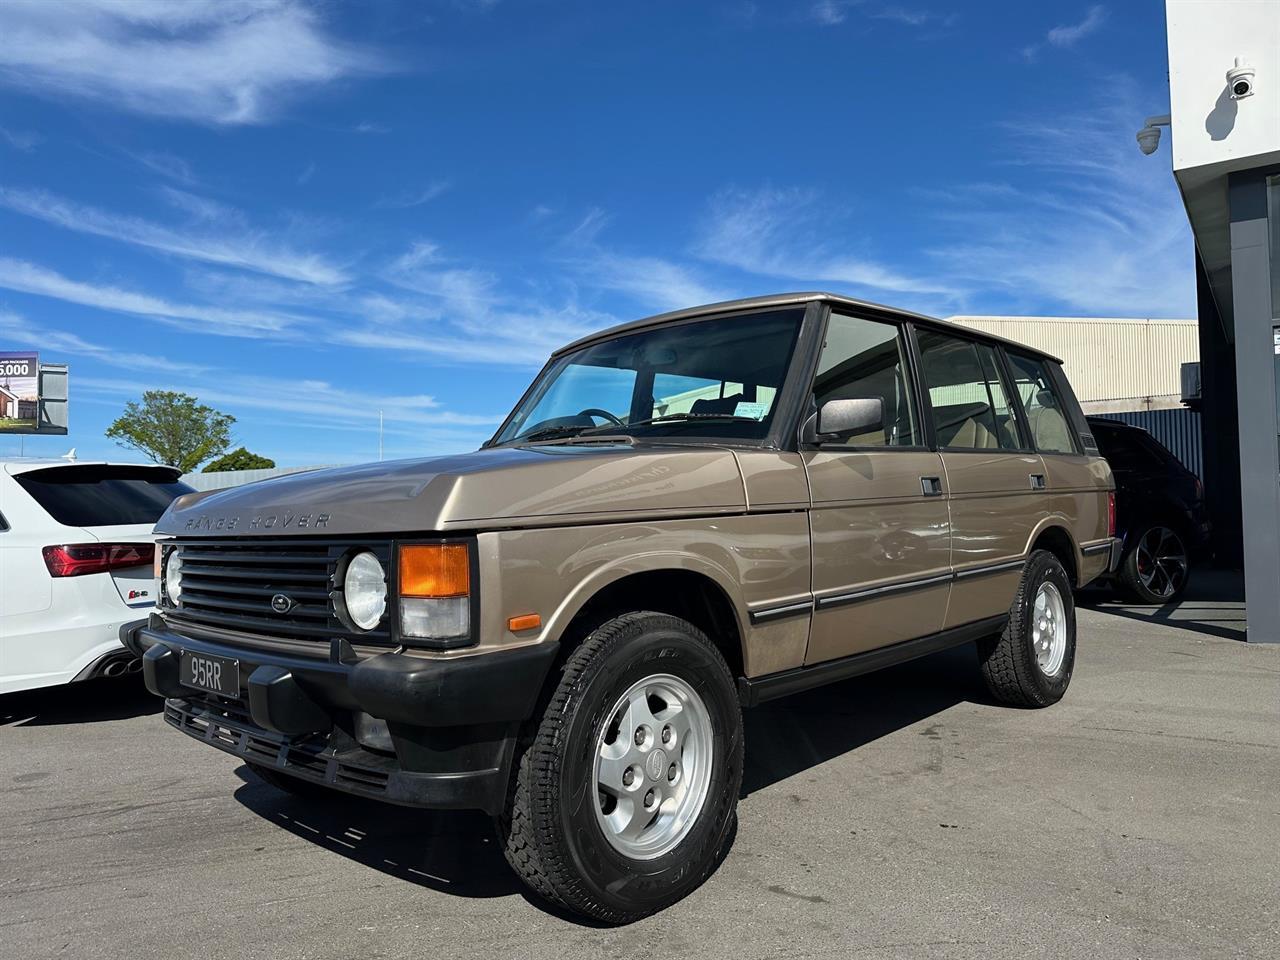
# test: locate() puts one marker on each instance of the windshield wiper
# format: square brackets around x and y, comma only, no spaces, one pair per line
[565,431]
[550,433]
[677,418]
[572,433]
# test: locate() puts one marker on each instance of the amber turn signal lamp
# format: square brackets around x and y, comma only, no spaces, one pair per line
[528,621]
[435,570]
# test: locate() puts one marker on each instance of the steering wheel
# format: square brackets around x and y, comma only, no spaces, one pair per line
[604,414]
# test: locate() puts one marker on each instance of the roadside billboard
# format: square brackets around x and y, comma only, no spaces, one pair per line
[33,397]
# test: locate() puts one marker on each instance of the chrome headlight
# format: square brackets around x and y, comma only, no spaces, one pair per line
[364,591]
[173,576]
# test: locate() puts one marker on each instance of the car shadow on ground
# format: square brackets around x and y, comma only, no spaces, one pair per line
[89,701]
[458,852]
[1212,606]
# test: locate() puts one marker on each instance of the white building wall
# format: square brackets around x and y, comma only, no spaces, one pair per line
[221,479]
[1114,365]
[1205,38]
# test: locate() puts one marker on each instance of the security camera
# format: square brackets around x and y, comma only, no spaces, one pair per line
[1240,80]
[1149,135]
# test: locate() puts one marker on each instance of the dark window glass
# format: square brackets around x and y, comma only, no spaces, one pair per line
[96,495]
[1126,450]
[1046,415]
[719,377]
[971,409]
[864,359]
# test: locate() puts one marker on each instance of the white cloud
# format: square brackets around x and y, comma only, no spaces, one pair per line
[24,140]
[321,399]
[416,198]
[831,12]
[168,166]
[212,61]
[230,244]
[1103,233]
[25,277]
[782,233]
[653,281]
[19,330]
[1068,35]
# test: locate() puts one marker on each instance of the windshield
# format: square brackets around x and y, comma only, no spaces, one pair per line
[709,378]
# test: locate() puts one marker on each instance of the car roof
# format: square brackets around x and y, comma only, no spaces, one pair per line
[26,464]
[1106,423]
[795,300]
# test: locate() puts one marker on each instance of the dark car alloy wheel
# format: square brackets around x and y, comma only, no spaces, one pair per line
[1161,561]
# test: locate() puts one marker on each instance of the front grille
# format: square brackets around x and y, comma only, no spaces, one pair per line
[229,583]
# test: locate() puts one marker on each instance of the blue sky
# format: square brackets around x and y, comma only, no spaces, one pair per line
[304,213]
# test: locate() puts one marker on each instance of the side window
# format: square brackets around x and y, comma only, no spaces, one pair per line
[971,408]
[1046,414]
[865,359]
[1125,451]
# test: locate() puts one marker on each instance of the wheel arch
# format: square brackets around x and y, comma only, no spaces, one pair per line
[691,589]
[1053,535]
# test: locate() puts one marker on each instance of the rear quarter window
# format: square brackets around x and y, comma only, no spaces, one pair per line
[99,496]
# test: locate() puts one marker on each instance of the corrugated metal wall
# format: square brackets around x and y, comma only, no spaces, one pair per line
[1179,430]
[1120,363]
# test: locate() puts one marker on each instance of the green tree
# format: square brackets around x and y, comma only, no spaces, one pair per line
[173,429]
[239,459]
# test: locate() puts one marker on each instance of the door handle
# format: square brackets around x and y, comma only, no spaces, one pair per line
[1037,481]
[931,486]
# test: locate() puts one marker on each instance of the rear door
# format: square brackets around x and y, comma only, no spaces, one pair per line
[1077,480]
[996,481]
[881,545]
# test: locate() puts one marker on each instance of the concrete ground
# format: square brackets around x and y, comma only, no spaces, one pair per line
[897,815]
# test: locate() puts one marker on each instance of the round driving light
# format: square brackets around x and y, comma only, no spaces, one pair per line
[364,588]
[173,576]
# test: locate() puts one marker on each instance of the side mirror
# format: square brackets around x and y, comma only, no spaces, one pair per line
[838,419]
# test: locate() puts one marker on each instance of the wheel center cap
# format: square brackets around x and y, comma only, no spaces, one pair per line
[655,765]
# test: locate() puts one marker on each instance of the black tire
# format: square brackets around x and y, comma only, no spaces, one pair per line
[296,786]
[1009,664]
[550,831]
[1130,575]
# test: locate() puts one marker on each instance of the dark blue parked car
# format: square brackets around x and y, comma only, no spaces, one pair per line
[1160,513]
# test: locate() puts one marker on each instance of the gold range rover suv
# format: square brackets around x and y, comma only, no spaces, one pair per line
[683,516]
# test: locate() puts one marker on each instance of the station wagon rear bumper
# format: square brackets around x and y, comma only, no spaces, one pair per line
[445,727]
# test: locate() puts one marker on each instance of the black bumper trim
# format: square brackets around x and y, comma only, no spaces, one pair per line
[496,687]
[758,690]
[354,771]
[453,722]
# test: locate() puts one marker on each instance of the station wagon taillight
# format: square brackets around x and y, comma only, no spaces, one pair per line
[1111,514]
[78,559]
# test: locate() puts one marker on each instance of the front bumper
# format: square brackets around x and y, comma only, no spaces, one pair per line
[452,723]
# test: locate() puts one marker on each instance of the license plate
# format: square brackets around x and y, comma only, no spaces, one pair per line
[213,674]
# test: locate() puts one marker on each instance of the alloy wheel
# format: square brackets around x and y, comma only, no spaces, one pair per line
[1162,562]
[653,766]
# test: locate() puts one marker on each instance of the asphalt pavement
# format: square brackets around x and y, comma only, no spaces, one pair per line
[896,815]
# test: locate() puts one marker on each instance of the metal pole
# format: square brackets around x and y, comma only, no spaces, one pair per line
[379,436]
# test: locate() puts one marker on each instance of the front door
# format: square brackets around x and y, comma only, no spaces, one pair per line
[881,545]
[996,481]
